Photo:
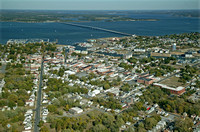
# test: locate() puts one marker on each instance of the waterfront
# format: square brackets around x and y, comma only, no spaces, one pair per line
[66,34]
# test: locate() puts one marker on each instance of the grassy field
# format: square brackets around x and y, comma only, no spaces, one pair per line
[172,82]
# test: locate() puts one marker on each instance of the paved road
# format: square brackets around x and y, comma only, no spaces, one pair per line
[39,94]
[3,68]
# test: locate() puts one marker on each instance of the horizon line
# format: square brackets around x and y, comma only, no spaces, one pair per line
[102,9]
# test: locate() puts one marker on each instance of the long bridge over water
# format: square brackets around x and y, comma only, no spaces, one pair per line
[97,28]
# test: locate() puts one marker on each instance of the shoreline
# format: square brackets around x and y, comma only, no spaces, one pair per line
[133,20]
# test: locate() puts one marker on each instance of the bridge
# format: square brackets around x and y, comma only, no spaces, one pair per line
[97,28]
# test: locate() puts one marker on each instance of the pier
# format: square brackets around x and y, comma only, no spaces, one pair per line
[97,28]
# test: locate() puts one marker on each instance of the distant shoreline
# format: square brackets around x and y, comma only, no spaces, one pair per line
[132,20]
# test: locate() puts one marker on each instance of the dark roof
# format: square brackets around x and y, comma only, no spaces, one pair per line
[145,79]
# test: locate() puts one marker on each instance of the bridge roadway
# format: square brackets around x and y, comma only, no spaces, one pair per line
[97,28]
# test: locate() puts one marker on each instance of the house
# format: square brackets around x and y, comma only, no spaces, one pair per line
[188,55]
[148,107]
[93,93]
[110,73]
[114,91]
[124,105]
[139,50]
[102,71]
[30,103]
[86,68]
[70,72]
[75,110]
[84,52]
[127,56]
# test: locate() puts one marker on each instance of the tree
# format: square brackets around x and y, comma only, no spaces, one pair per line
[157,117]
[20,103]
[61,72]
[99,128]
[52,108]
[106,86]
[56,102]
[107,120]
[180,109]
[166,61]
[44,129]
[13,97]
[41,123]
[149,123]
[58,126]
[119,122]
[140,127]
[67,107]
[3,103]
[183,125]
[11,104]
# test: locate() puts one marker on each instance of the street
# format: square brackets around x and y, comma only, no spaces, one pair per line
[39,94]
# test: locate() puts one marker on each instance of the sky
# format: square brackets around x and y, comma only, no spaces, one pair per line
[100,4]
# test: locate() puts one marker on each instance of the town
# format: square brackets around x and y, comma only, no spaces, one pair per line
[134,83]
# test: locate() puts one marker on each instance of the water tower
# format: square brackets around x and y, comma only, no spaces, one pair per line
[174,47]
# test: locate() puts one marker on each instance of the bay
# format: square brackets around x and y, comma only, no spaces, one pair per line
[66,34]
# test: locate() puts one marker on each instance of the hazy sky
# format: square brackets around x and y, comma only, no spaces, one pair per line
[100,4]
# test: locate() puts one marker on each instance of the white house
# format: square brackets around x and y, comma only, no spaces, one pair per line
[75,110]
[93,93]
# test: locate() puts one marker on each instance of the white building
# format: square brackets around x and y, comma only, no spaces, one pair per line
[93,93]
[75,110]
[70,72]
[139,50]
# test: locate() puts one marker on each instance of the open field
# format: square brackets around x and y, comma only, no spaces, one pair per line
[172,82]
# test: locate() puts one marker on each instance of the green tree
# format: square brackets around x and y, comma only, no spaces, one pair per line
[106,86]
[13,97]
[44,129]
[52,108]
[99,128]
[183,125]
[149,123]
[11,104]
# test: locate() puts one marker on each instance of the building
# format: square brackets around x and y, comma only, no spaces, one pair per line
[93,93]
[102,71]
[114,91]
[139,50]
[145,80]
[127,56]
[84,52]
[178,91]
[75,110]
[188,55]
[86,68]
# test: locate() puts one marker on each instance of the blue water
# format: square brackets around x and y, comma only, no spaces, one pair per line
[67,34]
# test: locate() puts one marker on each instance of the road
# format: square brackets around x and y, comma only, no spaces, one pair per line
[39,95]
[3,68]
